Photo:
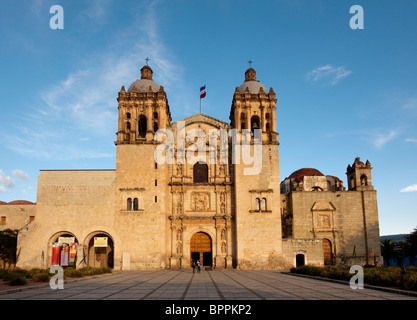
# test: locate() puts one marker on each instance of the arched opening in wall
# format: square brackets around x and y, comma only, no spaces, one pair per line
[352,183]
[101,251]
[155,126]
[201,249]
[364,180]
[127,126]
[327,252]
[155,115]
[299,260]
[129,204]
[255,123]
[62,248]
[316,188]
[142,126]
[136,204]
[268,127]
[128,115]
[200,172]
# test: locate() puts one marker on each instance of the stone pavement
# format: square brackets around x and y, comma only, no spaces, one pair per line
[207,285]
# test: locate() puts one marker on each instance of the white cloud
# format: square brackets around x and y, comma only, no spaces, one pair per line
[3,189]
[412,140]
[379,139]
[21,174]
[83,106]
[412,188]
[6,180]
[328,74]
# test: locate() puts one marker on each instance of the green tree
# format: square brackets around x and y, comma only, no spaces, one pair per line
[8,245]
[388,250]
[411,240]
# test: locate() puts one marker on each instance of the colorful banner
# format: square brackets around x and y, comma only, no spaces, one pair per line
[64,255]
[72,253]
[55,253]
[100,241]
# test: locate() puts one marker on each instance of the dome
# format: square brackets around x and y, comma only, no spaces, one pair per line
[21,202]
[251,83]
[142,85]
[305,172]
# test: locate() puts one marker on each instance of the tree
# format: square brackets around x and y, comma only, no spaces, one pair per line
[411,240]
[8,245]
[388,250]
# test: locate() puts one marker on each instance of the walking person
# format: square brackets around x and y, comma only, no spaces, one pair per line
[193,266]
[198,266]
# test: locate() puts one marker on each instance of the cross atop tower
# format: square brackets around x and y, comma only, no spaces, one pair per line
[250,63]
[147,59]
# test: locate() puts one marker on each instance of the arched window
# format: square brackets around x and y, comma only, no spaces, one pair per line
[364,180]
[268,127]
[136,204]
[128,115]
[352,183]
[142,126]
[263,204]
[316,189]
[257,204]
[129,204]
[200,172]
[155,126]
[155,115]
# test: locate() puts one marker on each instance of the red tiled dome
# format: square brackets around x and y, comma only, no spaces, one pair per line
[301,173]
[20,202]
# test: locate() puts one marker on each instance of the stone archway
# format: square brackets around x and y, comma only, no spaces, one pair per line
[201,248]
[61,249]
[100,250]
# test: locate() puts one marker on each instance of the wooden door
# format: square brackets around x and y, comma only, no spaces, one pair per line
[327,252]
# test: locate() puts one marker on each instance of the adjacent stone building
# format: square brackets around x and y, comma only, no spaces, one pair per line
[199,189]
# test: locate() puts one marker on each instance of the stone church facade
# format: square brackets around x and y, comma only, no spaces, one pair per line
[156,214]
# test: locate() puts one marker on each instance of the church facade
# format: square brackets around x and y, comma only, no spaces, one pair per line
[197,189]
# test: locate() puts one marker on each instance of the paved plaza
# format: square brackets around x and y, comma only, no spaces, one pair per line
[207,285]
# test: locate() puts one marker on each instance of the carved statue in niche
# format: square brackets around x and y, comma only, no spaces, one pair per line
[179,170]
[179,248]
[222,197]
[223,235]
[223,208]
[223,248]
[222,170]
[179,208]
[200,201]
[179,235]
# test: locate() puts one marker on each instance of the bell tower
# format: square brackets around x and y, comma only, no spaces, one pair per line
[143,109]
[254,108]
[359,175]
[257,203]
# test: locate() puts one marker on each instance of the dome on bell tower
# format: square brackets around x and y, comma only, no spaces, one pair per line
[142,85]
[251,83]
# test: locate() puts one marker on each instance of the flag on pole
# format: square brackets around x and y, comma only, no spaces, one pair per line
[202,91]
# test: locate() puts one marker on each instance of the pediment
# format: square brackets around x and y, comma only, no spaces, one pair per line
[203,120]
[323,205]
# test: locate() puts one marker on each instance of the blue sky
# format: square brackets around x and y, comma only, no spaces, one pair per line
[341,92]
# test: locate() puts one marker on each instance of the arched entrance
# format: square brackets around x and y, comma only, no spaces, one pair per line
[299,260]
[201,249]
[327,251]
[62,249]
[101,251]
